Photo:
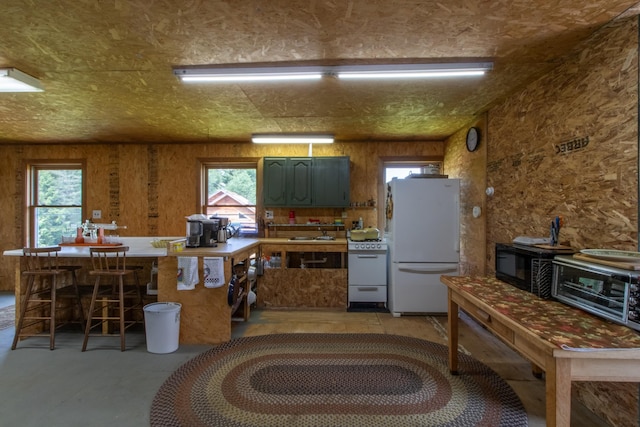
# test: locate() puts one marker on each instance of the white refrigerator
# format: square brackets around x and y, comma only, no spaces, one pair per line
[423,234]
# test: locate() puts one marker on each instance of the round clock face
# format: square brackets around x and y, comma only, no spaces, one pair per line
[473,139]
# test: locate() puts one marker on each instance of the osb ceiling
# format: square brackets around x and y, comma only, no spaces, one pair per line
[106,66]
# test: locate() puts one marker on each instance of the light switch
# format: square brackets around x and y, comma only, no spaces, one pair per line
[268,214]
[97,214]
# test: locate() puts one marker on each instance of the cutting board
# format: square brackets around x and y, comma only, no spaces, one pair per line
[618,264]
[555,248]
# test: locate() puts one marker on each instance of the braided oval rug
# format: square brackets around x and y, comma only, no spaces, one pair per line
[334,380]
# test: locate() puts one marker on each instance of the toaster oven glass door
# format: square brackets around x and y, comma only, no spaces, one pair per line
[593,291]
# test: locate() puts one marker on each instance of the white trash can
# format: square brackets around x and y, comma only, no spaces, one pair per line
[162,326]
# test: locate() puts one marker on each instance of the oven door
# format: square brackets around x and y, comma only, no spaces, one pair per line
[367,268]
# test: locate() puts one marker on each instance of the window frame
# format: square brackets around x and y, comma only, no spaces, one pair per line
[226,163]
[33,167]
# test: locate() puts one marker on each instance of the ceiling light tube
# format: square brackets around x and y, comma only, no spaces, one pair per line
[291,139]
[13,80]
[407,71]
[248,74]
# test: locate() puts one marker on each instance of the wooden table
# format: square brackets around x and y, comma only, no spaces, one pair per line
[566,343]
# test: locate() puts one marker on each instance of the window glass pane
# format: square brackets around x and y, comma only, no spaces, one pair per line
[59,187]
[400,172]
[53,223]
[231,193]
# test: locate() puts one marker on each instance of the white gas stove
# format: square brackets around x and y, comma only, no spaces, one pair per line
[367,272]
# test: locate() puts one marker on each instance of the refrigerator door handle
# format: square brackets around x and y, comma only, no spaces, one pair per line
[434,269]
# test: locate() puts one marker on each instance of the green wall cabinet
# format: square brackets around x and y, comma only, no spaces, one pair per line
[306,181]
[331,181]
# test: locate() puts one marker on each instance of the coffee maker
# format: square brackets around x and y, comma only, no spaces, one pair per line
[202,233]
[223,230]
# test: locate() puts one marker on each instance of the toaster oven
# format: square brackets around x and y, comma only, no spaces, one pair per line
[608,292]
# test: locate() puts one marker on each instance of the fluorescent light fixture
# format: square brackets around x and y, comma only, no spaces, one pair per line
[248,74]
[412,71]
[13,80]
[291,139]
[201,74]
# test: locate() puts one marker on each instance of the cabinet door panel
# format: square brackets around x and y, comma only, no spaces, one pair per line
[274,182]
[299,182]
[331,181]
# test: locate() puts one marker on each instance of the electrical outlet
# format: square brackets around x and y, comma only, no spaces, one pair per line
[268,214]
[344,215]
[97,214]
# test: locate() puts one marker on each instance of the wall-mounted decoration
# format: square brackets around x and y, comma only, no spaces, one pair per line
[576,144]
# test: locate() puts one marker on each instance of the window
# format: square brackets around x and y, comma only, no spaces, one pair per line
[231,192]
[400,170]
[55,201]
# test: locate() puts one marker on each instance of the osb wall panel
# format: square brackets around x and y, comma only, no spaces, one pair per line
[150,189]
[567,145]
[297,287]
[470,168]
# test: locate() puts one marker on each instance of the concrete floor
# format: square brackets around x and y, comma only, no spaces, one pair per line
[106,387]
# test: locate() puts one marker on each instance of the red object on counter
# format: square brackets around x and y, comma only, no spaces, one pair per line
[79,238]
[292,217]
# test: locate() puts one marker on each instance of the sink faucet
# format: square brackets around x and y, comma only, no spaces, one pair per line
[324,232]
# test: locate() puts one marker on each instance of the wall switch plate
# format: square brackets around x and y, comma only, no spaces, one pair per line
[268,214]
[344,214]
[97,214]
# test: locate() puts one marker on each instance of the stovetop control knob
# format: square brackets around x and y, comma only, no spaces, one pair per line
[633,315]
[633,301]
[633,287]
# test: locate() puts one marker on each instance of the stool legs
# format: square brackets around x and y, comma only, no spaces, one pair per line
[31,296]
[117,296]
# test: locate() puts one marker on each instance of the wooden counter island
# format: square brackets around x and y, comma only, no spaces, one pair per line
[205,317]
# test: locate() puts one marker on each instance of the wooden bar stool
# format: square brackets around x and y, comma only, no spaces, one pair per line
[109,299]
[42,292]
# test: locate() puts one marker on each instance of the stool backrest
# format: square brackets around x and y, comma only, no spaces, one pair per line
[41,259]
[112,258]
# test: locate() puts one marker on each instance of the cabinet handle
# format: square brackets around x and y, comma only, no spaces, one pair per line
[367,289]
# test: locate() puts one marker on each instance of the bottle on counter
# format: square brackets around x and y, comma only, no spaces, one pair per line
[360,224]
[292,217]
[79,237]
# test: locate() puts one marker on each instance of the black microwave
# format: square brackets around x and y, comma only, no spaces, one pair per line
[527,267]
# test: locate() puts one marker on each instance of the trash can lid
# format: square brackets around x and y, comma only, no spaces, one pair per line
[158,307]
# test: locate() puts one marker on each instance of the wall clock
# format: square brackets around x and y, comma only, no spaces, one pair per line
[473,138]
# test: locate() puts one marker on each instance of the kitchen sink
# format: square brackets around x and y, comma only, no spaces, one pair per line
[291,239]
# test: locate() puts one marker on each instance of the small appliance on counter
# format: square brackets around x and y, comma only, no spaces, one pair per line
[225,230]
[527,266]
[604,290]
[202,231]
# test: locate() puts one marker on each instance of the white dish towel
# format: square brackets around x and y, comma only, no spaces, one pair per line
[213,272]
[187,273]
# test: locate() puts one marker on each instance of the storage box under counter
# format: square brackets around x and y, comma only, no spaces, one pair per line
[606,291]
